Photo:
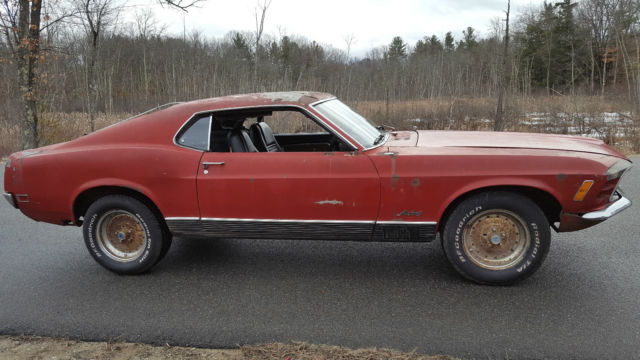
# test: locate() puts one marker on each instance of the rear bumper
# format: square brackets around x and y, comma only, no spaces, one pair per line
[574,222]
[9,198]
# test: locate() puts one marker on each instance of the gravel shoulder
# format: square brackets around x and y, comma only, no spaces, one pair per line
[31,347]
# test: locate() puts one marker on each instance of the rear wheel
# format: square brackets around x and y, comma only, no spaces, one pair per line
[496,237]
[123,235]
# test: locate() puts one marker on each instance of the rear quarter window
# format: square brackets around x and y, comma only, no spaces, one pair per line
[196,134]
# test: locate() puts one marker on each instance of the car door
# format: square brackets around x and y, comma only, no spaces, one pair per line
[301,195]
[297,192]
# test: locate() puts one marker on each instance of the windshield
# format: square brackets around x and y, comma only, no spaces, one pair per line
[349,121]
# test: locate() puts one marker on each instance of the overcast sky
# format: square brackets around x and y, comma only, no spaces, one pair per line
[372,22]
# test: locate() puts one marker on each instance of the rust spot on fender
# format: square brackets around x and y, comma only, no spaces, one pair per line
[252,179]
[394,177]
[415,182]
[409,213]
[561,177]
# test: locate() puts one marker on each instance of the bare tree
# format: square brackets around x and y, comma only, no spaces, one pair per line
[260,15]
[183,5]
[498,125]
[21,27]
[349,40]
[96,16]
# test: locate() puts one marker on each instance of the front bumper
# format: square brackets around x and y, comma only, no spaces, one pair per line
[574,222]
[614,208]
[9,198]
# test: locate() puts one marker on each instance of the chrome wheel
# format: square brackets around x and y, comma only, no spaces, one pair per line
[121,235]
[496,239]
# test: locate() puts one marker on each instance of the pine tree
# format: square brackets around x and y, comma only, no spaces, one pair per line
[449,42]
[549,47]
[469,42]
[428,46]
[397,49]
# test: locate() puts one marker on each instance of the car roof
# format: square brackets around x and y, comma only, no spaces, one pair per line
[300,98]
[160,125]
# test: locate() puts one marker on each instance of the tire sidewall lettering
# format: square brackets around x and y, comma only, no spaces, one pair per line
[462,257]
[92,238]
[145,255]
[533,250]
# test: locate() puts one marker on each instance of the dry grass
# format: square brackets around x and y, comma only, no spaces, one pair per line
[55,127]
[36,348]
[304,351]
[563,115]
[32,347]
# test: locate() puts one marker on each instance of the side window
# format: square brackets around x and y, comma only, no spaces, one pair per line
[268,129]
[292,122]
[197,134]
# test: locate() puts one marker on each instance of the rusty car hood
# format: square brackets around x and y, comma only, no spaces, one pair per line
[513,140]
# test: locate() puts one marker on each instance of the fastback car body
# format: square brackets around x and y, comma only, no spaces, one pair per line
[193,169]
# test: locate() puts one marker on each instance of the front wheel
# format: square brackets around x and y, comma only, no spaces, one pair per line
[123,235]
[496,237]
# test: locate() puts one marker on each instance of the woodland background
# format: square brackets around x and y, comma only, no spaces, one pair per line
[68,67]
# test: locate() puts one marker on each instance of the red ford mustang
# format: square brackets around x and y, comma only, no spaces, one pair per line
[301,165]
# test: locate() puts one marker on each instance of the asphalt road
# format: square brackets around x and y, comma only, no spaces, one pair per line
[583,303]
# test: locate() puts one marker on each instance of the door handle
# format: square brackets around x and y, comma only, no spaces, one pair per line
[205,165]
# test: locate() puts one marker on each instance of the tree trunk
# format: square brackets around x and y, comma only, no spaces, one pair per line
[92,89]
[593,70]
[604,72]
[498,125]
[28,54]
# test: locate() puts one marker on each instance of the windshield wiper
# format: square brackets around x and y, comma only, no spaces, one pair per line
[379,138]
[384,127]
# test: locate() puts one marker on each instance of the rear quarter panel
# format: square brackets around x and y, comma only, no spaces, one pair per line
[165,174]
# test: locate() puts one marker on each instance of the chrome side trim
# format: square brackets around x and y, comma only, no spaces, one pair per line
[295,221]
[392,222]
[406,222]
[9,199]
[209,135]
[611,210]
[304,110]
